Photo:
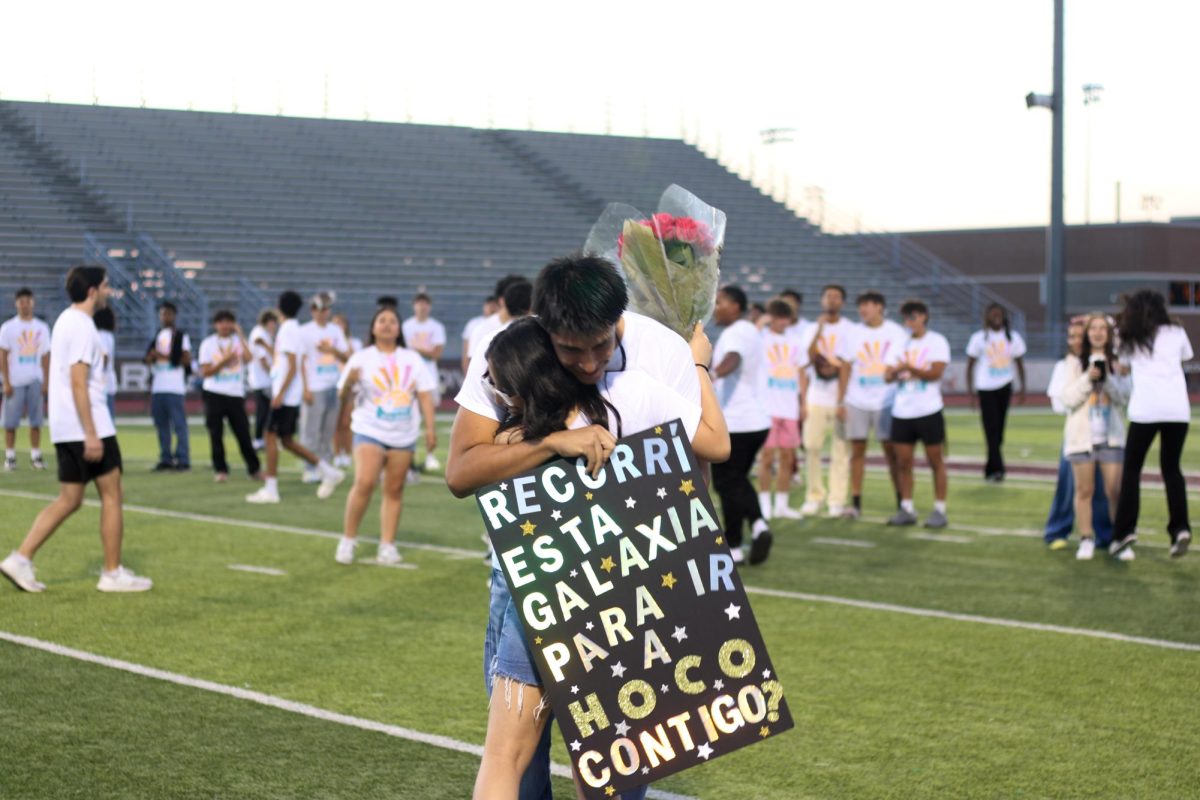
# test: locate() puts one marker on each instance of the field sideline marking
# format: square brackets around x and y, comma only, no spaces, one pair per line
[842,542]
[257,570]
[280,703]
[957,617]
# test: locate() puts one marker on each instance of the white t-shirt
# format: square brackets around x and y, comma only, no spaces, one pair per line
[230,381]
[780,387]
[109,344]
[166,379]
[323,368]
[870,352]
[798,330]
[425,335]
[995,358]
[288,341]
[385,394]
[1057,379]
[355,343]
[1159,387]
[917,398]
[26,342]
[258,376]
[469,329]
[823,392]
[646,345]
[738,392]
[75,340]
[486,327]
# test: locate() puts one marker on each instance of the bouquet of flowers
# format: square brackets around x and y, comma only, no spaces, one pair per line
[670,259]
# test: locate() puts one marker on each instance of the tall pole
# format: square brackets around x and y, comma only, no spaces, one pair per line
[1056,284]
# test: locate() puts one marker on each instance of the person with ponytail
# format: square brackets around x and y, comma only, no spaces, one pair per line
[1154,346]
[994,359]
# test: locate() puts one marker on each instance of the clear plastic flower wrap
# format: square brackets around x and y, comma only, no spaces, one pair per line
[670,259]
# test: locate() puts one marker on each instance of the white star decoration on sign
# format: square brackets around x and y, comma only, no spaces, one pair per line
[680,633]
[630,502]
[645,770]
[574,573]
[766,674]
[662,493]
[575,745]
[704,751]
[574,689]
[504,487]
[622,728]
[718,684]
[556,515]
[664,688]
[590,625]
[733,611]
[618,670]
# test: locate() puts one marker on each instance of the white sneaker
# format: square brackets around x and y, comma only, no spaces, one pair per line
[123,580]
[388,555]
[311,475]
[10,464]
[20,572]
[738,555]
[787,512]
[1087,548]
[345,550]
[835,512]
[432,463]
[1179,547]
[810,508]
[1126,555]
[262,496]
[413,478]
[330,479]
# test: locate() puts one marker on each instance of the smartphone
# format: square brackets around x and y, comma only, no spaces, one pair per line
[1099,363]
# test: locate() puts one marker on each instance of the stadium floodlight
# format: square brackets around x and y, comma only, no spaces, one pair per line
[1034,100]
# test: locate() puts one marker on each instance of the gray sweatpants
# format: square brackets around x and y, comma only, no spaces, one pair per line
[318,423]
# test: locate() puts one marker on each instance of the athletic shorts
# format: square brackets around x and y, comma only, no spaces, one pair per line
[1100,454]
[25,402]
[784,434]
[362,438]
[282,421]
[930,430]
[860,422]
[72,468]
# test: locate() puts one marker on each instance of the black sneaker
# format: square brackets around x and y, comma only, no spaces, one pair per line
[760,546]
[902,517]
[182,467]
[10,464]
[1179,547]
[37,462]
[163,466]
[1120,544]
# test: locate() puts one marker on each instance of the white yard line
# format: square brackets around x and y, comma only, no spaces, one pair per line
[941,537]
[950,615]
[444,742]
[257,570]
[842,542]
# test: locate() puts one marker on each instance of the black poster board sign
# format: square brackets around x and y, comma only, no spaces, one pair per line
[636,617]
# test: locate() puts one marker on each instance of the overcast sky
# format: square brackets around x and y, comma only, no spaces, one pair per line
[907,114]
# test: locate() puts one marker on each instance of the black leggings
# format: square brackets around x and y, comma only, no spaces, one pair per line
[731,479]
[217,409]
[993,407]
[1137,444]
[262,409]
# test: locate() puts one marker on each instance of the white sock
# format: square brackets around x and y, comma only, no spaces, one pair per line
[939,505]
[324,467]
[758,527]
[35,452]
[764,503]
[908,506]
[271,485]
[10,453]
[781,500]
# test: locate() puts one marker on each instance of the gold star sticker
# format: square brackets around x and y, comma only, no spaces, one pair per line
[720,540]
[669,580]
[588,495]
[607,564]
[537,640]
[764,731]
[528,528]
[686,487]
[610,791]
[658,428]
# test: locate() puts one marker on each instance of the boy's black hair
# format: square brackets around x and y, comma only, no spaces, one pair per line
[105,319]
[167,304]
[422,296]
[792,293]
[387,301]
[518,297]
[82,278]
[914,307]
[224,315]
[837,287]
[871,296]
[24,291]
[780,308]
[290,304]
[580,294]
[735,293]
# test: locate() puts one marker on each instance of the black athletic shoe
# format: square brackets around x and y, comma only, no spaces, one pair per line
[760,547]
[163,466]
[1120,544]
[182,467]
[1179,547]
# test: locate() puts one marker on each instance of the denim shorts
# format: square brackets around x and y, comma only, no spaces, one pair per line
[362,438]
[26,401]
[505,651]
[1100,454]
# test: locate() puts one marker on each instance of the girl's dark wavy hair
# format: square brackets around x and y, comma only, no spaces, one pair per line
[371,327]
[1007,327]
[522,363]
[1085,354]
[1145,312]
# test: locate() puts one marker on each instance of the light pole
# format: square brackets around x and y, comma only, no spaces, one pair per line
[1091,95]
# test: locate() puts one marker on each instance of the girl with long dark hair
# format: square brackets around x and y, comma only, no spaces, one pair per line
[1155,347]
[994,360]
[525,376]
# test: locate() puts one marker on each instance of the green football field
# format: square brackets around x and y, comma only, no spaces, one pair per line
[973,663]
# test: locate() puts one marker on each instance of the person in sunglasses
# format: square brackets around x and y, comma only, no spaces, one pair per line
[587,372]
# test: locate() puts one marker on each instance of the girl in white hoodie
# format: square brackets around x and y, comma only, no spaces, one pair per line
[1094,394]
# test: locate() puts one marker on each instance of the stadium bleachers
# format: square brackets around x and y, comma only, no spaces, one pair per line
[250,205]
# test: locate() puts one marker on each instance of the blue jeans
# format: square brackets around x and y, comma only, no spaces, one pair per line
[167,413]
[1062,508]
[507,655]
